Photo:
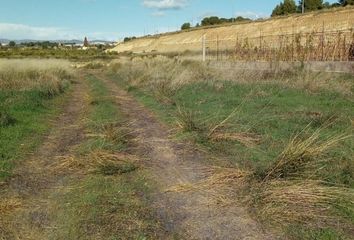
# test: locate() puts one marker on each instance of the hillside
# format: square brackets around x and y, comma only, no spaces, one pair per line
[254,33]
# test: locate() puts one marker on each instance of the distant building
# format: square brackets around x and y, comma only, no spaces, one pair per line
[86,42]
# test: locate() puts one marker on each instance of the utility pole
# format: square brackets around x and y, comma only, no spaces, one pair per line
[303,7]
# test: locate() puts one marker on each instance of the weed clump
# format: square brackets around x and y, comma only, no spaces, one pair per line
[292,190]
[302,154]
[9,205]
[6,119]
[99,161]
[94,65]
[187,120]
[116,169]
[304,202]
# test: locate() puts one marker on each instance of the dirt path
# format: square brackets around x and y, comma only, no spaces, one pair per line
[190,214]
[196,214]
[29,193]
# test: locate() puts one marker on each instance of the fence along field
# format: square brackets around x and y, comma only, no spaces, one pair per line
[314,46]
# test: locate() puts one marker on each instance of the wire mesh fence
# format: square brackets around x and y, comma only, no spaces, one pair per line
[313,46]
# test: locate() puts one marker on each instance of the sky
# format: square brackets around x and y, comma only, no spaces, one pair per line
[114,19]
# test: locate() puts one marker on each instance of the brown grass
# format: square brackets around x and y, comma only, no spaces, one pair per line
[7,206]
[220,188]
[260,37]
[305,202]
[187,120]
[164,76]
[247,139]
[291,191]
[93,162]
[50,77]
[303,153]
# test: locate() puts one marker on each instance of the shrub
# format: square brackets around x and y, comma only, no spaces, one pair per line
[186,26]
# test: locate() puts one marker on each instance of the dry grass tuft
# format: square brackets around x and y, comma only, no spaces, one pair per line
[218,131]
[290,192]
[116,133]
[187,119]
[220,184]
[113,132]
[9,205]
[94,65]
[247,139]
[164,92]
[223,123]
[98,161]
[303,153]
[305,202]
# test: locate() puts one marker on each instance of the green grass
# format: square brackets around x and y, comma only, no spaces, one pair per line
[110,203]
[322,234]
[272,112]
[103,112]
[275,113]
[30,113]
[32,92]
[102,207]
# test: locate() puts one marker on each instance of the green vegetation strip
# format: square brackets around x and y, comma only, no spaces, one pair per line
[24,119]
[271,112]
[109,202]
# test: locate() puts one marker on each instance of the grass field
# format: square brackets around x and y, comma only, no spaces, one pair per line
[283,140]
[293,130]
[29,97]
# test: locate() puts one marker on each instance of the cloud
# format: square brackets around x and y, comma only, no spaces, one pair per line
[165,4]
[16,31]
[21,31]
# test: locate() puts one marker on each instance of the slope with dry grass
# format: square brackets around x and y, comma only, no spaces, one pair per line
[179,42]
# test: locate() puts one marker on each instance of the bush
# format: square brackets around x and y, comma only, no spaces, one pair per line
[186,26]
[127,39]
